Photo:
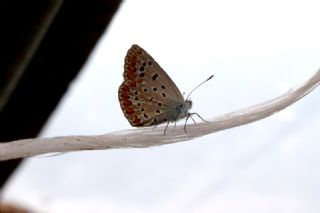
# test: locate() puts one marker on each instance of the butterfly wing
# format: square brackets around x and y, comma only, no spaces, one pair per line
[147,95]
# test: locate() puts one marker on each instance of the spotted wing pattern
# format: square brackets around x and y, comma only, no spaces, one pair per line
[147,96]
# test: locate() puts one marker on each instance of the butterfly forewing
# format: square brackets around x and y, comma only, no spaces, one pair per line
[147,94]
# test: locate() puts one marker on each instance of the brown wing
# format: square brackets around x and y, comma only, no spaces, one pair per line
[147,95]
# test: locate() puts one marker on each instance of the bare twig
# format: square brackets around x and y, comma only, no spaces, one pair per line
[148,137]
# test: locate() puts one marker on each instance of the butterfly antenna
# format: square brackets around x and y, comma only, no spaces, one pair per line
[199,86]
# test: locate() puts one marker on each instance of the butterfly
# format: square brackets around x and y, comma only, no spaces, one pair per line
[148,96]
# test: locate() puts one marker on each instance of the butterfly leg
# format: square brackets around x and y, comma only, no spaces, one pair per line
[193,119]
[194,113]
[185,123]
[164,133]
[190,116]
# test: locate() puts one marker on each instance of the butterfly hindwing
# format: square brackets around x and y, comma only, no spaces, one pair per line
[147,95]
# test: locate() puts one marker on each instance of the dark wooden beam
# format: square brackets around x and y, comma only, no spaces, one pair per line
[43,45]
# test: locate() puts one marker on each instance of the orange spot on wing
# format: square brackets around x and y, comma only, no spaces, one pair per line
[130,63]
[129,111]
[126,102]
[133,84]
[125,88]
[137,121]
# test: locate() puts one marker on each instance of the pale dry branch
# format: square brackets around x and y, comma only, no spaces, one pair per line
[148,137]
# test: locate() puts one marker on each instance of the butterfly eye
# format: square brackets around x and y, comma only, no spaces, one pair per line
[154,89]
[150,63]
[145,90]
[163,87]
[164,95]
[189,102]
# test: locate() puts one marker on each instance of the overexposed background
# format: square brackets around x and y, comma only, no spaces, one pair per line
[257,50]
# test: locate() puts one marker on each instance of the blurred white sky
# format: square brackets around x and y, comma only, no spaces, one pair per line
[257,50]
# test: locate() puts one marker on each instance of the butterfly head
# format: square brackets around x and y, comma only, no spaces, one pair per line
[181,110]
[188,104]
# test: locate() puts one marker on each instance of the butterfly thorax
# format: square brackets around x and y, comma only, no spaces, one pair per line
[181,110]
